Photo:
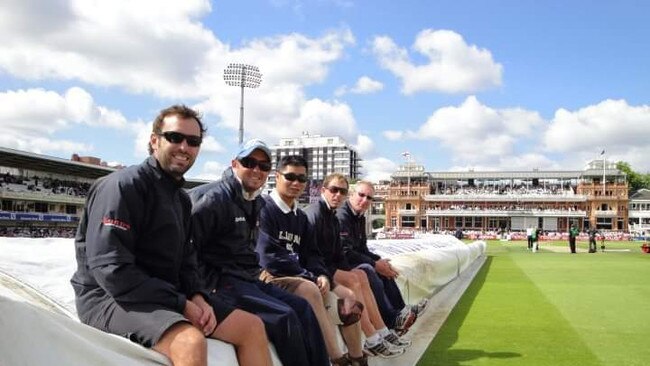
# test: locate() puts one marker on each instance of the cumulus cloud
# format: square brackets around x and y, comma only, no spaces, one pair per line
[364,145]
[210,171]
[526,162]
[143,46]
[474,132]
[378,169]
[453,65]
[365,85]
[32,117]
[620,129]
[161,48]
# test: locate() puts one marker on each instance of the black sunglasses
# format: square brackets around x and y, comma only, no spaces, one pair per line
[363,195]
[177,137]
[292,177]
[251,163]
[335,190]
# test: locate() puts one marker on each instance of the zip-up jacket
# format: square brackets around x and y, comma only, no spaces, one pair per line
[132,242]
[224,228]
[353,236]
[325,225]
[286,245]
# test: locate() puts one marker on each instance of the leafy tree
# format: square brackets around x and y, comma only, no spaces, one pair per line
[635,180]
[378,223]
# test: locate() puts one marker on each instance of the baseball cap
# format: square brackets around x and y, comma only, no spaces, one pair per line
[252,145]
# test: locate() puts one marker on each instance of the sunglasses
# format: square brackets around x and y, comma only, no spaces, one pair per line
[177,138]
[292,177]
[335,190]
[251,163]
[366,196]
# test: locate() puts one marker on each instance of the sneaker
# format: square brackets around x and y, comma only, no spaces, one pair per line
[404,320]
[420,307]
[396,340]
[383,349]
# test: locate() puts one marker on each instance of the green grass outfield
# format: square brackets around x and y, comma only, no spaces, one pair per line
[551,308]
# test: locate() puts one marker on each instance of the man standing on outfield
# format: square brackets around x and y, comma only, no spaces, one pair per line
[573,233]
[592,240]
[292,261]
[225,219]
[381,274]
[137,273]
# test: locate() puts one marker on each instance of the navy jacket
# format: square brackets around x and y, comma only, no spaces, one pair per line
[286,244]
[224,228]
[325,225]
[132,242]
[353,236]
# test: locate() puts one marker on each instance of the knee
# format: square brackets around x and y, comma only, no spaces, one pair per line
[361,276]
[191,338]
[310,292]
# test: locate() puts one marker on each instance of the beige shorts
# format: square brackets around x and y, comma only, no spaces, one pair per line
[288,283]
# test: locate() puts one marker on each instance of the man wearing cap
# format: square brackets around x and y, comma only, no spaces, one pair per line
[292,261]
[381,274]
[225,227]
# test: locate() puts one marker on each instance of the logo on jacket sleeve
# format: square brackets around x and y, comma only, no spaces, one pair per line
[107,221]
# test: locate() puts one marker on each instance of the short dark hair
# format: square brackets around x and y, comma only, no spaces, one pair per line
[180,110]
[293,160]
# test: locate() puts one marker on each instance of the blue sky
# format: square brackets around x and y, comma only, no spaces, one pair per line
[484,85]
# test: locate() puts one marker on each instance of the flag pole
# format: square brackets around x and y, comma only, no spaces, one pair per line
[603,154]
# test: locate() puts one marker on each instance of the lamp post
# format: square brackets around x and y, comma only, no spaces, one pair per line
[243,76]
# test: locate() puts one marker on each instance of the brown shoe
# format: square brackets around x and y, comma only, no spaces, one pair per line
[342,361]
[359,361]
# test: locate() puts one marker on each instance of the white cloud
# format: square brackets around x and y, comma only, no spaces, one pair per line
[143,46]
[365,85]
[525,162]
[378,169]
[393,135]
[364,145]
[474,132]
[32,117]
[453,67]
[161,48]
[610,124]
[211,171]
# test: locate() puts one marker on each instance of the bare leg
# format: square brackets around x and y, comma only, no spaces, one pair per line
[350,280]
[310,292]
[184,344]
[351,333]
[246,332]
[370,301]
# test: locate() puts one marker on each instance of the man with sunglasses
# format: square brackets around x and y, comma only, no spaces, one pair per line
[352,220]
[380,341]
[225,222]
[292,261]
[137,273]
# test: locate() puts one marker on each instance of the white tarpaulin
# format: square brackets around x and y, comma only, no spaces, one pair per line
[43,267]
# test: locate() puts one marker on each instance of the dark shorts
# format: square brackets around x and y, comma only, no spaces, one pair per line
[141,323]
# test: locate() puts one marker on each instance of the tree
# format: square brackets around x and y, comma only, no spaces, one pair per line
[635,180]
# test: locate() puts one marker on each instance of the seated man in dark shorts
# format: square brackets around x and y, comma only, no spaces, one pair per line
[137,273]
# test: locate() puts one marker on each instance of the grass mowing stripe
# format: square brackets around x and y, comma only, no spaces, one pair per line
[605,296]
[504,319]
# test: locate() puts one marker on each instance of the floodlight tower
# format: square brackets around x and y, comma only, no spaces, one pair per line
[243,76]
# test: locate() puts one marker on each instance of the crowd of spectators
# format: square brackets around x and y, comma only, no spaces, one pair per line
[512,207]
[44,185]
[38,232]
[517,190]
